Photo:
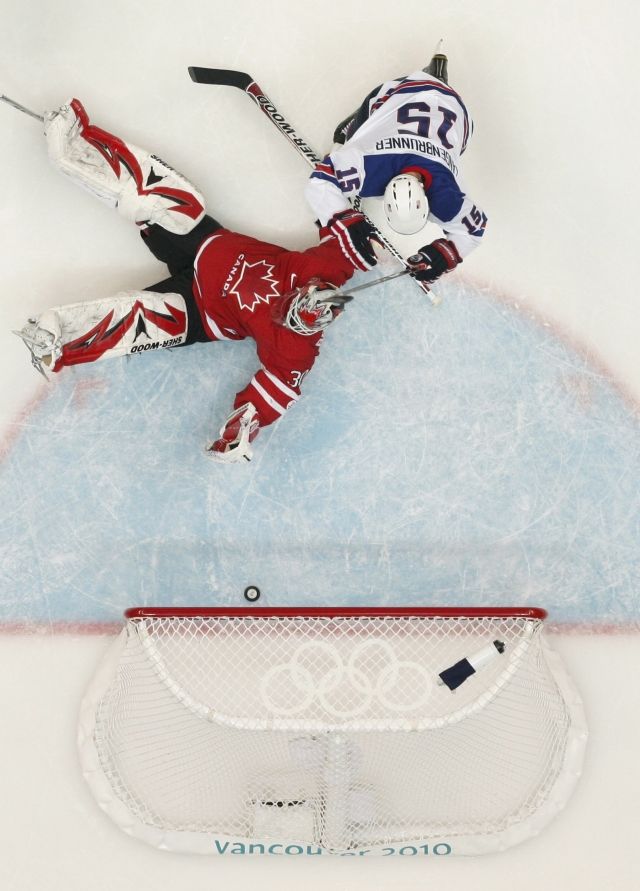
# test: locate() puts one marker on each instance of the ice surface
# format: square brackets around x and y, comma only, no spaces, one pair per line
[483,451]
[463,454]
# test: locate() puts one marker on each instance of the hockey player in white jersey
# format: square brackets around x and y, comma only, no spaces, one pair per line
[403,144]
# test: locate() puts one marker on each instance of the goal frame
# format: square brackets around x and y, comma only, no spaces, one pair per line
[328,612]
[206,843]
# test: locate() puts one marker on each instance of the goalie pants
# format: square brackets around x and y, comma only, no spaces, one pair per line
[178,252]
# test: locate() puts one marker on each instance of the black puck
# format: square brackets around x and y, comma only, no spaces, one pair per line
[252,593]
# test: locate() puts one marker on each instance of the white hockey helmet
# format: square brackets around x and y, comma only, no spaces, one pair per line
[405,204]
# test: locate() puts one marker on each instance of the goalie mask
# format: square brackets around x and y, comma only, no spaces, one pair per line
[405,204]
[309,309]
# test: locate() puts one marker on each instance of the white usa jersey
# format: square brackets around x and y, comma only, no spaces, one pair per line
[415,124]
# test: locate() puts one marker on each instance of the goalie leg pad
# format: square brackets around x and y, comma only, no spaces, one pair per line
[141,186]
[129,323]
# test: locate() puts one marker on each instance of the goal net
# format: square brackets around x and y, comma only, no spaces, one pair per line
[345,731]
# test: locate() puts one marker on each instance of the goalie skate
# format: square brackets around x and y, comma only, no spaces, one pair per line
[141,186]
[438,66]
[42,337]
[236,436]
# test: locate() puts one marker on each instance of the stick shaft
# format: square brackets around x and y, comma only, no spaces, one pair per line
[378,281]
[226,77]
[267,107]
[21,108]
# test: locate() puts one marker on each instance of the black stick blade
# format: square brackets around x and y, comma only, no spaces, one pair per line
[224,77]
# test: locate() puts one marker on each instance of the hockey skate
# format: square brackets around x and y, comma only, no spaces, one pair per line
[437,67]
[142,187]
[236,436]
[42,337]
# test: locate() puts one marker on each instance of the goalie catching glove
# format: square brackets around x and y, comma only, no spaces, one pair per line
[433,260]
[237,434]
[309,309]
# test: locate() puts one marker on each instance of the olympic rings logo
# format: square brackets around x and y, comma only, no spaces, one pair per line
[291,687]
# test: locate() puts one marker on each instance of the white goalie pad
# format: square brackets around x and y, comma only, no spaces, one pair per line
[141,186]
[130,322]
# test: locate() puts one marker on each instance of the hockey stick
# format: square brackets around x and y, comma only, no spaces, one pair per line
[348,294]
[17,105]
[378,281]
[226,77]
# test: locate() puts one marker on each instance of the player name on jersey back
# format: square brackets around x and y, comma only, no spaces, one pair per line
[421,146]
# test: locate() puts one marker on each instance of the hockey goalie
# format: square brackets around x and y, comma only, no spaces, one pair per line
[221,286]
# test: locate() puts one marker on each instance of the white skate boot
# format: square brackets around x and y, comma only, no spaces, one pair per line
[42,337]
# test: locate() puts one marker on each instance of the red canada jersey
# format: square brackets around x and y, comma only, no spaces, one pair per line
[236,280]
[237,277]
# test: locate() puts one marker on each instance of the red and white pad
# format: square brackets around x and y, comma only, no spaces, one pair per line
[130,322]
[141,186]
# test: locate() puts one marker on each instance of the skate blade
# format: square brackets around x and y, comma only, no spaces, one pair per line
[36,361]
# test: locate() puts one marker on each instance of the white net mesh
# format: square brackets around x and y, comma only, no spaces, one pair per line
[335,732]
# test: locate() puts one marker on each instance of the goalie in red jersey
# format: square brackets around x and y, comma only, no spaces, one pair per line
[222,285]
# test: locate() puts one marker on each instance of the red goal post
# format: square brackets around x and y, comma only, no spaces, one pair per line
[433,612]
[332,729]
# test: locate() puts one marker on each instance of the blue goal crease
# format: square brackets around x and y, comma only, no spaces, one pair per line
[457,456]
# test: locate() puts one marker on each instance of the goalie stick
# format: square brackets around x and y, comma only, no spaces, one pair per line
[227,77]
[379,281]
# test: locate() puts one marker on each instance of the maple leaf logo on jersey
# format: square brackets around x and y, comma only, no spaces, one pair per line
[254,284]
